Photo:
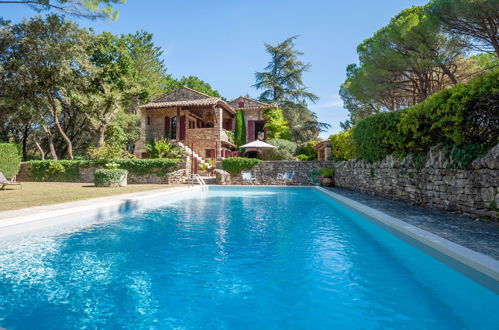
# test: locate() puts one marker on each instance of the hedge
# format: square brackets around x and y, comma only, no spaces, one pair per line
[10,159]
[375,136]
[343,146]
[235,165]
[464,119]
[108,177]
[69,170]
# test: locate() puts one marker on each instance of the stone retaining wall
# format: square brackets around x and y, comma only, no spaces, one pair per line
[266,172]
[87,174]
[473,192]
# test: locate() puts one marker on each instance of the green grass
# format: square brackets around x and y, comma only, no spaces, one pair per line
[45,193]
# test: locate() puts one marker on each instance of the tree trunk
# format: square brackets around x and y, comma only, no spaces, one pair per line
[101,130]
[24,142]
[69,144]
[449,74]
[38,146]
[50,141]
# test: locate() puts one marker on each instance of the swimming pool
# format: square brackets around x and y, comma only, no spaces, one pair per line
[231,257]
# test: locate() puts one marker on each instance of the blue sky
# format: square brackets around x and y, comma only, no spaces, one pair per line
[222,41]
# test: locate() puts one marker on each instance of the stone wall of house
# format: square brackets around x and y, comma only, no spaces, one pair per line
[179,175]
[202,139]
[266,172]
[429,182]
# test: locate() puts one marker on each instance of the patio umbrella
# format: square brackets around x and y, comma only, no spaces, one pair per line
[257,144]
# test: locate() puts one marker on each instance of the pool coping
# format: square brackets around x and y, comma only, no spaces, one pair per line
[473,264]
[105,206]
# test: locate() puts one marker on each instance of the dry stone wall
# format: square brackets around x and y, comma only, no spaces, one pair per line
[87,174]
[429,182]
[266,172]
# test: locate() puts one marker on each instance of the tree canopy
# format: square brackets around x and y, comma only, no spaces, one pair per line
[92,9]
[192,82]
[66,89]
[282,84]
[403,63]
[477,20]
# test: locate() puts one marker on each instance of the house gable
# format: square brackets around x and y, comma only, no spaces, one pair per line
[246,103]
[182,94]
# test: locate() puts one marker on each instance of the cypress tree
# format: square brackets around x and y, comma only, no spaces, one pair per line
[240,131]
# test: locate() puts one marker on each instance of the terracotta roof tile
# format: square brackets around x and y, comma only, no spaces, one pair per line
[183,103]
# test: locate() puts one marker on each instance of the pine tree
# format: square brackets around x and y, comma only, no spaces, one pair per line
[282,84]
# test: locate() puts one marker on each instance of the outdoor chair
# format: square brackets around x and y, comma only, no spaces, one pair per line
[287,176]
[4,182]
[248,177]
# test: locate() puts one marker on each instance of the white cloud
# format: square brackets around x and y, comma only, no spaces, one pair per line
[330,102]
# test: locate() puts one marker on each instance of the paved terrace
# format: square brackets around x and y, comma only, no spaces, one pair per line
[476,235]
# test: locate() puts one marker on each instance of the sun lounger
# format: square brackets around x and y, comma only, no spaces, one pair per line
[286,176]
[248,177]
[4,182]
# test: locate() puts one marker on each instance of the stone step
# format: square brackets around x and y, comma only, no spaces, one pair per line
[209,180]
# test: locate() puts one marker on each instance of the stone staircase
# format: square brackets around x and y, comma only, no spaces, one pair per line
[210,180]
[189,151]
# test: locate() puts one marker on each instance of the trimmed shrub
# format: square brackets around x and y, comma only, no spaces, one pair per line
[57,170]
[110,177]
[328,172]
[235,165]
[376,135]
[10,159]
[306,151]
[467,114]
[343,146]
[463,119]
[285,150]
[69,170]
[162,166]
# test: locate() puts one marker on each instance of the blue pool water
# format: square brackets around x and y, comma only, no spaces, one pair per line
[234,258]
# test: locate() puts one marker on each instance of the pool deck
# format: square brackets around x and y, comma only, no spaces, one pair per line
[480,236]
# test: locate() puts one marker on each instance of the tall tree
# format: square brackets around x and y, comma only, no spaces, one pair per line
[240,129]
[47,61]
[282,84]
[149,67]
[478,20]
[114,78]
[92,9]
[402,64]
[192,82]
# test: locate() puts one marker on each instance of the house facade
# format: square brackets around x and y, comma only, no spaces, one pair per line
[198,123]
[253,116]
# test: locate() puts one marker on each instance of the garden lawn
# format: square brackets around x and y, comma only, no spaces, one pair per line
[44,193]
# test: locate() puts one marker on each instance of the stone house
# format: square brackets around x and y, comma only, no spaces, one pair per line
[323,149]
[199,123]
[253,116]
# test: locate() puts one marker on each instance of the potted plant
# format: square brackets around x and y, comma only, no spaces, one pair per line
[327,176]
[212,167]
[111,176]
[203,168]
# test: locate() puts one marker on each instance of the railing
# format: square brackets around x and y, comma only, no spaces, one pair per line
[199,179]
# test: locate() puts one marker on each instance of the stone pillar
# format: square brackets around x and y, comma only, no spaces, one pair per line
[218,130]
